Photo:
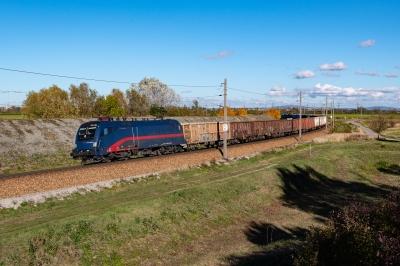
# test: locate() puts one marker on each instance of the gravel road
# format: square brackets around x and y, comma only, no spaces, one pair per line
[52,181]
[370,132]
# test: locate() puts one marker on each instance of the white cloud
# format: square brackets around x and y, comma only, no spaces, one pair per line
[367,43]
[219,56]
[186,91]
[335,66]
[397,67]
[347,94]
[371,73]
[391,75]
[378,94]
[329,74]
[387,90]
[277,91]
[305,74]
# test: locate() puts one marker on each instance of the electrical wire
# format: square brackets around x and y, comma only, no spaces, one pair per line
[14,91]
[247,91]
[209,102]
[100,80]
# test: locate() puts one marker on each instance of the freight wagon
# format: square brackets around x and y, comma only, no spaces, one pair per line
[107,140]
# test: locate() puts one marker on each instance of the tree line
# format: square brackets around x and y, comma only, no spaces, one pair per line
[149,97]
[83,101]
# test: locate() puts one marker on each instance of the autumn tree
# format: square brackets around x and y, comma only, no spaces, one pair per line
[229,112]
[99,106]
[379,125]
[117,93]
[157,92]
[197,110]
[241,112]
[83,98]
[274,113]
[137,104]
[48,103]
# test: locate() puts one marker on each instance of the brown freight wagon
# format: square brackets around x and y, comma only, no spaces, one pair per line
[306,124]
[207,133]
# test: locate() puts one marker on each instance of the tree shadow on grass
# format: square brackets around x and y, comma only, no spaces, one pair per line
[310,191]
[307,190]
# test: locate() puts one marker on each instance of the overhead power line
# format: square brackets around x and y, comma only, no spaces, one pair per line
[14,91]
[100,80]
[248,91]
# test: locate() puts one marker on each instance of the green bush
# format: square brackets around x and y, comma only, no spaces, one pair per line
[361,234]
[341,127]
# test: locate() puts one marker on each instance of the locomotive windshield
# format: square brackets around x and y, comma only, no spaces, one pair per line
[87,131]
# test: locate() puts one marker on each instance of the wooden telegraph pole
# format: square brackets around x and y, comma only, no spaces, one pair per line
[300,121]
[326,113]
[225,126]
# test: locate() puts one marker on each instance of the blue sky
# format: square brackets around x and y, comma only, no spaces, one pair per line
[274,48]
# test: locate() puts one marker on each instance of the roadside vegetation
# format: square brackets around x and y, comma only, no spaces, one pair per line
[243,213]
[342,127]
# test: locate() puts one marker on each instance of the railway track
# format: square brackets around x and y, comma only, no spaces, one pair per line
[94,165]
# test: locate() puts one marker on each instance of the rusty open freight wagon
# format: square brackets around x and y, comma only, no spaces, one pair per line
[207,133]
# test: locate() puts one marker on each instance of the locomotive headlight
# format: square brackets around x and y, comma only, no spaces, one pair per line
[95,144]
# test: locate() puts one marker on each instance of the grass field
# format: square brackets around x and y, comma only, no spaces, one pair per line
[12,117]
[364,115]
[11,163]
[241,212]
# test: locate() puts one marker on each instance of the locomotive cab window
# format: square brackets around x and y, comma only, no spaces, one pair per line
[87,131]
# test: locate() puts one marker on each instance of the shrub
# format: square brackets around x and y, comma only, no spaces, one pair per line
[361,234]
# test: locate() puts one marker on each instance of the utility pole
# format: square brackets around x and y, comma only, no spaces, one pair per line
[225,126]
[357,107]
[314,109]
[306,110]
[326,113]
[361,112]
[300,121]
[206,109]
[333,116]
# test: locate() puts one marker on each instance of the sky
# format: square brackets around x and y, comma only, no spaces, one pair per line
[268,51]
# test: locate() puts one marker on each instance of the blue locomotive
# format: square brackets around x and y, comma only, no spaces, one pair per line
[107,140]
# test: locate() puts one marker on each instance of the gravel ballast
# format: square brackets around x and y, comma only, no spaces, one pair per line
[58,180]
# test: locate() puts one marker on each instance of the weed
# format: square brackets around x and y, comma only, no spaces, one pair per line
[114,259]
[113,228]
[149,225]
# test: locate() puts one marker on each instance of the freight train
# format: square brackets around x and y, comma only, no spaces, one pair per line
[110,139]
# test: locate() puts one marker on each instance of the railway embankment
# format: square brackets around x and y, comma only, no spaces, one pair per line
[34,144]
[80,179]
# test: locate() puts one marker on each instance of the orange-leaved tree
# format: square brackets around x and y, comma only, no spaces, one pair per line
[241,112]
[229,112]
[274,112]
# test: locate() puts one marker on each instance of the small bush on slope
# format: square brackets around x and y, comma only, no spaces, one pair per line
[361,234]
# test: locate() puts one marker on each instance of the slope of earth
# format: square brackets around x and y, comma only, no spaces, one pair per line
[253,215]
[46,143]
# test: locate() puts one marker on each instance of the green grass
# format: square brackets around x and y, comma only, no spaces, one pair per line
[341,127]
[208,223]
[391,133]
[12,163]
[6,116]
[359,116]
